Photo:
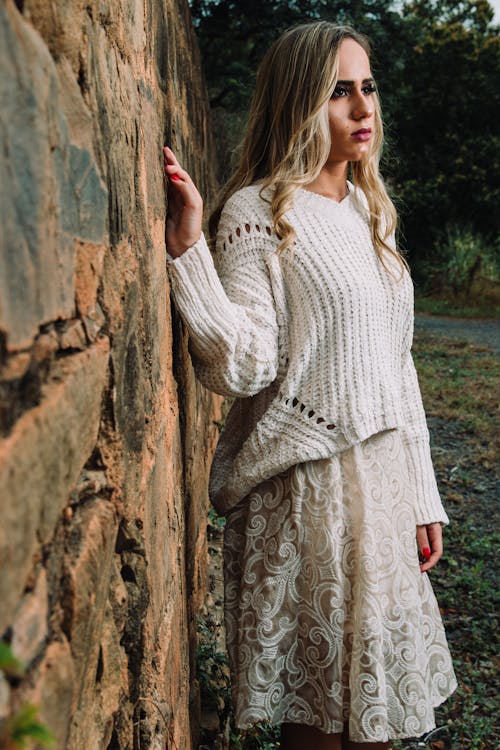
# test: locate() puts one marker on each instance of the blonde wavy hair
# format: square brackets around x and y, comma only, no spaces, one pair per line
[287,140]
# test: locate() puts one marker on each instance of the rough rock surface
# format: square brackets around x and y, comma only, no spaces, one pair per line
[105,436]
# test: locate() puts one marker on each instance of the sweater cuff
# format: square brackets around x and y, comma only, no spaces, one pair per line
[201,299]
[428,505]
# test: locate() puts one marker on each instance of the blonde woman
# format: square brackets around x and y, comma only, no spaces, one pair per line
[323,469]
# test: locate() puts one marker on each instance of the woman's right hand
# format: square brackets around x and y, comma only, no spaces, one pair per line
[430,544]
[185,207]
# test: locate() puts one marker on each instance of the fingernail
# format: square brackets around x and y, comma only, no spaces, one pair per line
[426,552]
[174,177]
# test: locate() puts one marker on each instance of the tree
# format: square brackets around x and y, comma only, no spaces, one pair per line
[234,35]
[445,123]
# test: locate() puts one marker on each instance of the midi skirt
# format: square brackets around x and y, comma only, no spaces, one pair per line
[329,621]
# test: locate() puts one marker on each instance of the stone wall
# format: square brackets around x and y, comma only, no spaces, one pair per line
[106,438]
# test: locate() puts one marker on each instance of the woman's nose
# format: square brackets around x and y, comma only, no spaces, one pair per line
[362,106]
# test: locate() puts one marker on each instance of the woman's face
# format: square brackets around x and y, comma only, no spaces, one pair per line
[352,106]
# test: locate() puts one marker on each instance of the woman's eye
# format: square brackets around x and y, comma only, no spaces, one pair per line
[340,91]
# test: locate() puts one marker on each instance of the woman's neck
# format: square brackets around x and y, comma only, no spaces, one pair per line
[331,181]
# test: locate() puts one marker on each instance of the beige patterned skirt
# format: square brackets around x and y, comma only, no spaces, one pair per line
[329,620]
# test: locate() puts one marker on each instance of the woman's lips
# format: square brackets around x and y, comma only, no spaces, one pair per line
[362,135]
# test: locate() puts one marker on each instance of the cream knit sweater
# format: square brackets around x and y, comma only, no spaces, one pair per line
[314,343]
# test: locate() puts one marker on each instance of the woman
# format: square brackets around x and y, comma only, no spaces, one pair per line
[323,469]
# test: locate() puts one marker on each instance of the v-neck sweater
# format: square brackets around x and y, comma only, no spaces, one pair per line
[314,343]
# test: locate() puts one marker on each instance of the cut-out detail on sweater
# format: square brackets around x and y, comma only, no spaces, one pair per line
[248,230]
[307,411]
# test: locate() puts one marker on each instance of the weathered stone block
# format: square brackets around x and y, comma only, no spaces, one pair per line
[30,625]
[118,598]
[112,677]
[55,192]
[88,562]
[72,336]
[130,391]
[77,113]
[90,543]
[4,696]
[92,91]
[16,367]
[89,262]
[40,462]
[92,725]
[52,687]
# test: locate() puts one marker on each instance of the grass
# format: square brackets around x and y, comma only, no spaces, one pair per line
[459,383]
[458,309]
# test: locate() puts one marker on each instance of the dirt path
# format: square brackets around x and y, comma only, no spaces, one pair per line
[478,330]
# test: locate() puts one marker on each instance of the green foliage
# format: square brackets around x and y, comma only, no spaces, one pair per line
[459,256]
[234,35]
[213,675]
[212,666]
[9,665]
[263,736]
[218,522]
[455,308]
[23,725]
[445,125]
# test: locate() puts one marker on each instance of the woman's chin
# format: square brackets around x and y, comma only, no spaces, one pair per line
[362,150]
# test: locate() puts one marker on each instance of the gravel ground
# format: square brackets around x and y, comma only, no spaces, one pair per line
[479,330]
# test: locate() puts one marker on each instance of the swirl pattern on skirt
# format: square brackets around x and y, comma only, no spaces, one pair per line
[329,620]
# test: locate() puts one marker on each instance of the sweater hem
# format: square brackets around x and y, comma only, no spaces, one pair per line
[228,488]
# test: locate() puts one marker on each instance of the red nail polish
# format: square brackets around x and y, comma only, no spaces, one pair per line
[426,552]
[174,177]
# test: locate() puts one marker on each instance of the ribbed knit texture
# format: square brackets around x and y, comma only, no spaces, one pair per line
[314,343]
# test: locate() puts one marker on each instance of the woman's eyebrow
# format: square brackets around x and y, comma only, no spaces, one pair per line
[351,83]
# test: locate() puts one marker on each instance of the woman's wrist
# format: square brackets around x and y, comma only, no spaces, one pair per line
[176,251]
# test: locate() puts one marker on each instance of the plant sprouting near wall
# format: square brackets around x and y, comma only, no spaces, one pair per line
[24,724]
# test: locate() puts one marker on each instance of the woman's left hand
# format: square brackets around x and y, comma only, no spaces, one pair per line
[430,545]
[185,207]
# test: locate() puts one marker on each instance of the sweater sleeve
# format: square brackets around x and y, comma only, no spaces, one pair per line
[230,315]
[416,440]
